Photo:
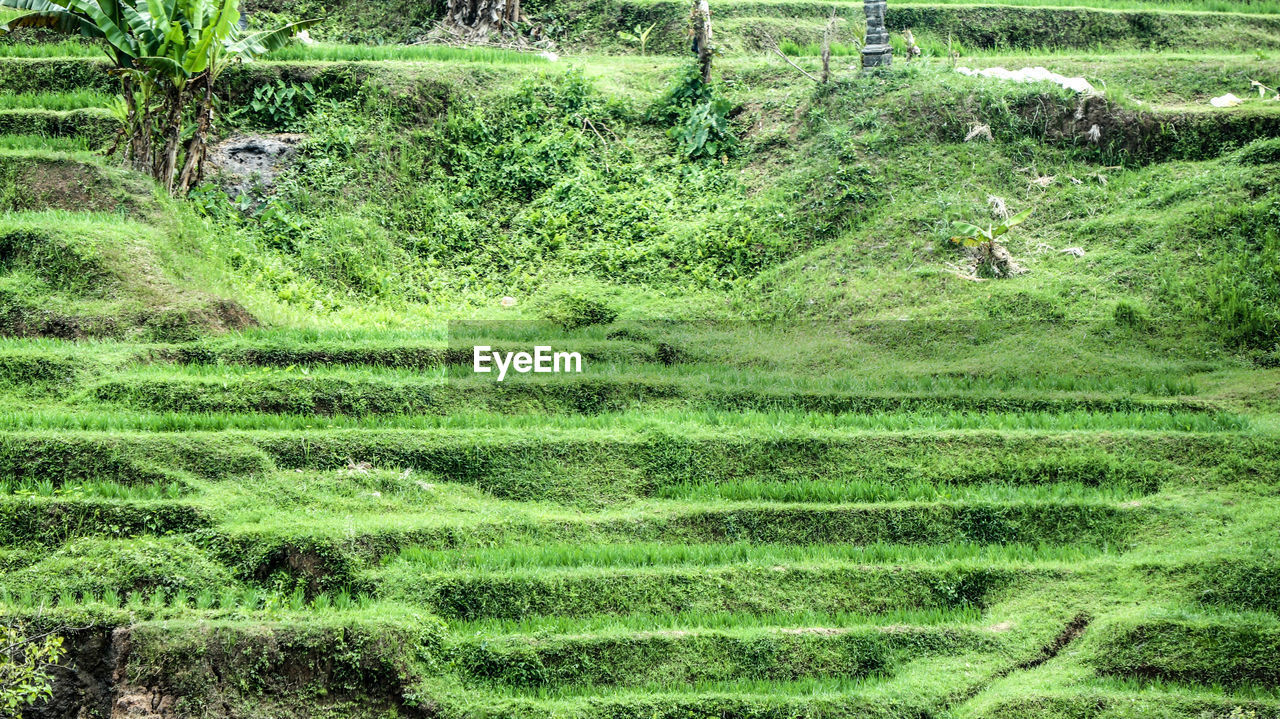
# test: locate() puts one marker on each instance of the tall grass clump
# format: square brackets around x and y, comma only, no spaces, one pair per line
[71,100]
[665,555]
[40,143]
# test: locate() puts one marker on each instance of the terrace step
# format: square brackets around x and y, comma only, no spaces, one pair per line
[827,588]
[51,521]
[386,529]
[1088,702]
[786,464]
[1212,650]
[919,689]
[676,657]
[95,125]
[77,182]
[981,25]
[568,394]
[403,355]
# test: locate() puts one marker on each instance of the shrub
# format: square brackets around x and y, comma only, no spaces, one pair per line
[1265,151]
[699,119]
[705,132]
[280,106]
[573,309]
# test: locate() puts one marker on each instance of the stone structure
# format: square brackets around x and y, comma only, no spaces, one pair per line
[876,51]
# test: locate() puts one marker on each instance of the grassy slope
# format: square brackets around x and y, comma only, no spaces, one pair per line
[848,516]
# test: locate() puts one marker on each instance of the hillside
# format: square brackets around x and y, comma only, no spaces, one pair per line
[814,466]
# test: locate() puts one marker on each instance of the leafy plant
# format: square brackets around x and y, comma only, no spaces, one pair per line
[989,256]
[24,668]
[639,36]
[688,90]
[281,105]
[974,236]
[574,309]
[698,116]
[705,132]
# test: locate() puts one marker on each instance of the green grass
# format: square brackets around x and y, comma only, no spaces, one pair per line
[53,100]
[697,620]
[98,489]
[684,555]
[124,421]
[330,52]
[837,49]
[64,48]
[864,491]
[1265,7]
[36,143]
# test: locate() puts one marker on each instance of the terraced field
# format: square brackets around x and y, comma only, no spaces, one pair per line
[246,469]
[634,543]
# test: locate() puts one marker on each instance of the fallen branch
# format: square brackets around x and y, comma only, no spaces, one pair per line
[774,47]
[586,122]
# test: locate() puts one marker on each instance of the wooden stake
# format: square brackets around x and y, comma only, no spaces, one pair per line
[826,47]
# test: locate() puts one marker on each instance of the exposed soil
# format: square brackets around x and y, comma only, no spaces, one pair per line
[1069,634]
[73,185]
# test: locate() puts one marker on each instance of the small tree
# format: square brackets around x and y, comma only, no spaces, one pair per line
[168,55]
[24,669]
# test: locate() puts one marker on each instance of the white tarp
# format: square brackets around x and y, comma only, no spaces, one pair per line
[1032,74]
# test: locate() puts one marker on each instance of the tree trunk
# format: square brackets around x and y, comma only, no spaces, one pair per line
[702,37]
[138,128]
[167,161]
[477,18]
[193,167]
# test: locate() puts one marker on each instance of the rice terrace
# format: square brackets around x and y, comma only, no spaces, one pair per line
[640,359]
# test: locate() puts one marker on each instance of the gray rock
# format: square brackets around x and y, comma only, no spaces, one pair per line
[245,163]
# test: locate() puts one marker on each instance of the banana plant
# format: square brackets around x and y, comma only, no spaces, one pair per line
[640,36]
[973,236]
[988,255]
[168,55]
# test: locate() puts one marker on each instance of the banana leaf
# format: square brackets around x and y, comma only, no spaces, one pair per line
[261,43]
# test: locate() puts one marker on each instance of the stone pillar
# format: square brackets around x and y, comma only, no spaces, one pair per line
[876,51]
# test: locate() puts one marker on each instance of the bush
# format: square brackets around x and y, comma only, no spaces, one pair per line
[705,130]
[1260,152]
[280,106]
[574,309]
[699,119]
